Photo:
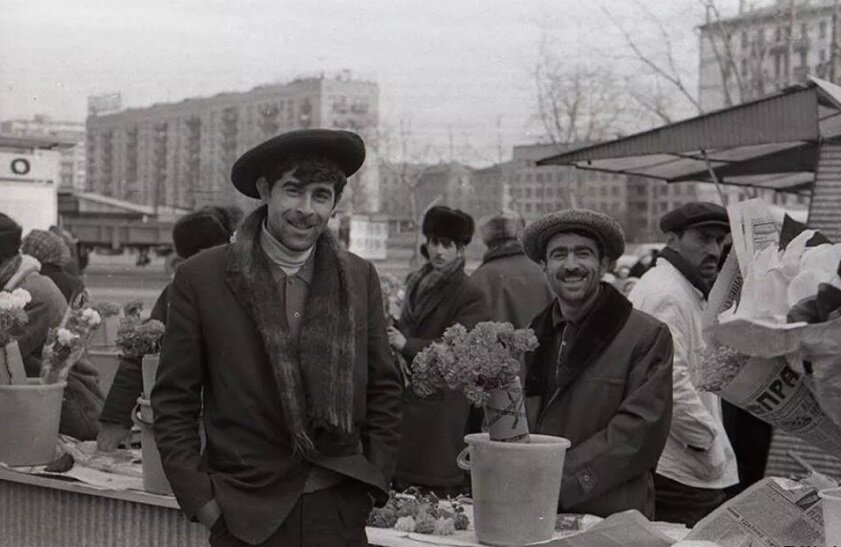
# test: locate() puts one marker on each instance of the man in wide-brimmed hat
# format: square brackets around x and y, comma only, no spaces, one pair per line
[281,335]
[602,373]
[698,462]
[438,295]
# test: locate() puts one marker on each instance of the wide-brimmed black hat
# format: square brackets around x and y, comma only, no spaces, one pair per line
[695,214]
[444,222]
[345,149]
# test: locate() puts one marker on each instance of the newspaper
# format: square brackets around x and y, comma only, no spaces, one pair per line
[773,512]
[752,227]
[626,529]
[773,392]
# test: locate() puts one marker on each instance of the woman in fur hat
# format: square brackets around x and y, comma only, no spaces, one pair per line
[438,295]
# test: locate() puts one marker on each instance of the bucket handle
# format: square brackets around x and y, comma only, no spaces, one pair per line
[463,459]
[135,417]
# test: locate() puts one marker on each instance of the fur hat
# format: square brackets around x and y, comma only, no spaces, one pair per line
[201,230]
[343,148]
[500,228]
[47,247]
[10,232]
[444,222]
[601,227]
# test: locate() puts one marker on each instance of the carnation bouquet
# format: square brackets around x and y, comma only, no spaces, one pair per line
[12,317]
[67,343]
[483,363]
[136,338]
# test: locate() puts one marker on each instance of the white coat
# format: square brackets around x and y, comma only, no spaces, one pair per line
[697,452]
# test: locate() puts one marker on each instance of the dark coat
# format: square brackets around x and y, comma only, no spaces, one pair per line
[128,382]
[433,428]
[613,402]
[69,284]
[515,288]
[212,352]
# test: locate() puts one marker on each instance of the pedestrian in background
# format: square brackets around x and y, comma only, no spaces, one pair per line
[515,288]
[52,252]
[698,463]
[438,295]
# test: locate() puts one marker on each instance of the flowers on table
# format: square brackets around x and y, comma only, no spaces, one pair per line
[67,343]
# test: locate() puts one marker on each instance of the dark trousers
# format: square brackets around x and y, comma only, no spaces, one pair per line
[750,438]
[676,502]
[333,517]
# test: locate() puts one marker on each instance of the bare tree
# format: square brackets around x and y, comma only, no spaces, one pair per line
[576,103]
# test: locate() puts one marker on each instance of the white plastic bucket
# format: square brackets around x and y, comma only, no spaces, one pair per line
[831,501]
[154,479]
[515,487]
[29,419]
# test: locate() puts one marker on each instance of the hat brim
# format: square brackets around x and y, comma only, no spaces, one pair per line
[345,149]
[709,224]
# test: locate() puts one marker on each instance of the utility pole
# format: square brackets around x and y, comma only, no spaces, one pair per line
[790,52]
[833,44]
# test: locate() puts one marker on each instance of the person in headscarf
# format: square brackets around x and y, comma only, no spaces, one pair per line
[54,255]
[438,295]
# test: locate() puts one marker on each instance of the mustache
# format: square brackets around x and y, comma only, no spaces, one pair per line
[309,220]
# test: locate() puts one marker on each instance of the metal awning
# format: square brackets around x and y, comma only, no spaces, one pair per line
[772,142]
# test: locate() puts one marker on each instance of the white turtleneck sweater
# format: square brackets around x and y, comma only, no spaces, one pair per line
[289,261]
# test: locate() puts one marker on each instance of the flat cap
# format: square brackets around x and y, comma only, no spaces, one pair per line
[442,221]
[345,149]
[695,214]
[601,227]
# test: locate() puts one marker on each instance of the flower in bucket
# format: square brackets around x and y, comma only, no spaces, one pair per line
[482,363]
[107,309]
[12,314]
[67,343]
[137,338]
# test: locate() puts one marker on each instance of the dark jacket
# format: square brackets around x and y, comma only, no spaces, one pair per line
[515,288]
[612,400]
[128,382]
[69,284]
[213,353]
[433,428]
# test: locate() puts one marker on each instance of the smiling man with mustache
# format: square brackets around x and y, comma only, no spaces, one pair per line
[280,338]
[698,462]
[602,373]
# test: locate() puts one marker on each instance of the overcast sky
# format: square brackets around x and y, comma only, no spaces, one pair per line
[460,70]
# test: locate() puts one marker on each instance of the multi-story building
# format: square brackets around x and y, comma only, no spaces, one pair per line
[72,134]
[766,48]
[180,154]
[536,190]
[650,199]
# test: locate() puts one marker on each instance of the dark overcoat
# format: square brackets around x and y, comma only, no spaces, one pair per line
[611,396]
[213,353]
[433,428]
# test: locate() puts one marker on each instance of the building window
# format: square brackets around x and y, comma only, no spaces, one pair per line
[744,39]
[528,192]
[528,207]
[804,31]
[822,55]
[822,30]
[744,67]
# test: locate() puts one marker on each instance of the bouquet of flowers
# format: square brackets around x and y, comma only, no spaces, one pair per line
[12,317]
[483,363]
[137,338]
[67,343]
[12,314]
[133,309]
[393,293]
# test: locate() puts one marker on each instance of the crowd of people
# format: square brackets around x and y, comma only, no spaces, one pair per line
[277,345]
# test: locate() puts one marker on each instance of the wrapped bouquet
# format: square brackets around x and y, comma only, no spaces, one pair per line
[67,343]
[484,364]
[772,327]
[12,317]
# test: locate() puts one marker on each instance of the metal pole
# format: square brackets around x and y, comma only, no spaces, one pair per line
[714,177]
[833,47]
